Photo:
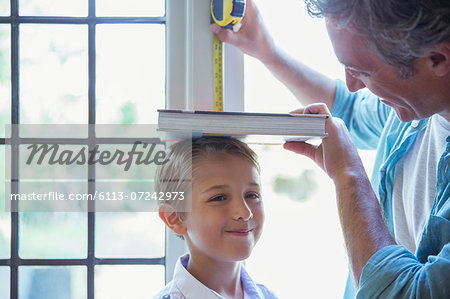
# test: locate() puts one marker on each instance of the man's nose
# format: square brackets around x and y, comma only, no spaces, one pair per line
[353,84]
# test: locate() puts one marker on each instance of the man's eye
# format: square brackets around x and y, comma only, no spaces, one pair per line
[352,73]
[356,74]
[362,74]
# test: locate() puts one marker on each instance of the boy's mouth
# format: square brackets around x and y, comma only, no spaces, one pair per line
[240,232]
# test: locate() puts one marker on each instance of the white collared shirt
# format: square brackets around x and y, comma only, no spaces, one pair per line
[186,286]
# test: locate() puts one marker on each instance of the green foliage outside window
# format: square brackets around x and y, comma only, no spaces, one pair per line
[296,188]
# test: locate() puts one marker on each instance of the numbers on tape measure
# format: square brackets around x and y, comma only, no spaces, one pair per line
[218,73]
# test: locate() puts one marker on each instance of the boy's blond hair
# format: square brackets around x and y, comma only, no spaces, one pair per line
[176,174]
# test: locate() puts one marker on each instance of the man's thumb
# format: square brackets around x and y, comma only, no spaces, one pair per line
[223,34]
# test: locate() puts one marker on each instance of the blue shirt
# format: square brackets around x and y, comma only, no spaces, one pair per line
[395,272]
[186,286]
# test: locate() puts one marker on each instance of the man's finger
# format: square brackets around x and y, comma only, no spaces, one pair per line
[298,111]
[319,108]
[224,35]
[302,148]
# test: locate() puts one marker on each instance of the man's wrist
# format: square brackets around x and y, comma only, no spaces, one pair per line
[356,178]
[271,56]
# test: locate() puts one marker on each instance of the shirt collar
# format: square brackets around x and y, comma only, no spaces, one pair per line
[188,284]
[250,288]
[192,288]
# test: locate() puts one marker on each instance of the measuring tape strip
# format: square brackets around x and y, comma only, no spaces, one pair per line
[226,14]
[218,73]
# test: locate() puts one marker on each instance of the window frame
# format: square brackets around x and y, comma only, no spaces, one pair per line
[91,20]
[189,60]
[188,67]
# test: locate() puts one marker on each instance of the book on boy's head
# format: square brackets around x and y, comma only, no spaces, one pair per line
[238,124]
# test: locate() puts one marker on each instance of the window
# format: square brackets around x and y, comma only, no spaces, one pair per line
[79,62]
[103,62]
[301,248]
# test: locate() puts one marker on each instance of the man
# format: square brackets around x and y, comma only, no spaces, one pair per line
[400,51]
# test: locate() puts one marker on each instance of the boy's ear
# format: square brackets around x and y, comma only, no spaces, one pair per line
[440,59]
[173,221]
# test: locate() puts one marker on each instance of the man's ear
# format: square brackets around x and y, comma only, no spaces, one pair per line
[440,59]
[170,217]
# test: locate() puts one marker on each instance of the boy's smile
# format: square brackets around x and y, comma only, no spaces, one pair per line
[227,211]
[240,232]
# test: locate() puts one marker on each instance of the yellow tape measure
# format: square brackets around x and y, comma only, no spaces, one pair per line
[225,13]
[218,73]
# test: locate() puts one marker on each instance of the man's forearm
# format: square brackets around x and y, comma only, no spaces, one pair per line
[363,226]
[365,231]
[307,84]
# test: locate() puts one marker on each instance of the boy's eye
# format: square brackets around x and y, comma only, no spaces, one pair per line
[218,198]
[252,196]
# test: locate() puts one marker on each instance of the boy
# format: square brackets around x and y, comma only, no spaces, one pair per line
[224,224]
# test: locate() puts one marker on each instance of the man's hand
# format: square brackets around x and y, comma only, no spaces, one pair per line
[252,38]
[363,226]
[337,154]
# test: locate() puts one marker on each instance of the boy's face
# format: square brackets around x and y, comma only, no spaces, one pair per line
[227,210]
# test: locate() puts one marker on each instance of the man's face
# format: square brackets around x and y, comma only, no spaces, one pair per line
[412,98]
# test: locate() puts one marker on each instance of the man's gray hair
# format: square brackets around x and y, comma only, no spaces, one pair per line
[399,31]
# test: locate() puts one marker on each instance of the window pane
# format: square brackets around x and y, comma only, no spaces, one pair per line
[5,217]
[315,219]
[53,7]
[53,235]
[129,235]
[311,46]
[57,188]
[4,7]
[4,282]
[38,165]
[5,77]
[53,74]
[53,282]
[130,73]
[131,185]
[308,193]
[130,8]
[117,282]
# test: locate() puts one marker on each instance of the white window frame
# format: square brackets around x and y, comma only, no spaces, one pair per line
[189,76]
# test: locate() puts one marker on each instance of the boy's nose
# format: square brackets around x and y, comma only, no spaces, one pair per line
[241,210]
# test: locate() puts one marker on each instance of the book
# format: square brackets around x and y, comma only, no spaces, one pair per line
[239,124]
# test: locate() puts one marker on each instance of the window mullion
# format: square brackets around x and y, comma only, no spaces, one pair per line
[14,269]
